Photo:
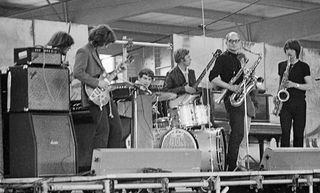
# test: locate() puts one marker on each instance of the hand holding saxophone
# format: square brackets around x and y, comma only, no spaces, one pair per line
[291,84]
[234,88]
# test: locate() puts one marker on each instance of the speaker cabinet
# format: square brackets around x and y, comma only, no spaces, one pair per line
[32,88]
[290,159]
[41,144]
[107,161]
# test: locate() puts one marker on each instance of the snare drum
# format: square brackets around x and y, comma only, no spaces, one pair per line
[211,142]
[187,115]
[201,113]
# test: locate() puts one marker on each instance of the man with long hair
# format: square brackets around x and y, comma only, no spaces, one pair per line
[293,111]
[88,69]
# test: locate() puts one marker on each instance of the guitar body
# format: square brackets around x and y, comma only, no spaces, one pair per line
[97,95]
[101,96]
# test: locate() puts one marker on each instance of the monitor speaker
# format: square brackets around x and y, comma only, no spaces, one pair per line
[34,88]
[41,144]
[290,159]
[112,161]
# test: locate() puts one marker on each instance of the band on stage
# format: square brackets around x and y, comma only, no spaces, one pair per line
[182,111]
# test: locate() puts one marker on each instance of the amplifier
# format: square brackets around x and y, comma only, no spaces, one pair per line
[35,88]
[157,84]
[121,91]
[37,55]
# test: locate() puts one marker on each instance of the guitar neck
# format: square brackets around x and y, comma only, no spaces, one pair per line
[112,75]
[196,84]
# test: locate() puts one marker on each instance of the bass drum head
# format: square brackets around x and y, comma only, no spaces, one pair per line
[212,143]
[178,138]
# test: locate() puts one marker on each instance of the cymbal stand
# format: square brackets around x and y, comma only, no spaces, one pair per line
[156,105]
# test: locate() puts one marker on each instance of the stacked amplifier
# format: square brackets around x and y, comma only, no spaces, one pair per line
[41,133]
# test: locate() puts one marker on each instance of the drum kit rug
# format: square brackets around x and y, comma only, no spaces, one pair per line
[180,129]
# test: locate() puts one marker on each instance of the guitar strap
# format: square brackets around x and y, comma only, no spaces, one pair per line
[104,71]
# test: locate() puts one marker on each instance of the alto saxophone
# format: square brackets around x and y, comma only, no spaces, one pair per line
[246,86]
[282,94]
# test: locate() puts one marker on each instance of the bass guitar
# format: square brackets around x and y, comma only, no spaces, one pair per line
[101,96]
[188,98]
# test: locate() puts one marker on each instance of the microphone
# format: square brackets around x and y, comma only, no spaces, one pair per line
[143,88]
[140,87]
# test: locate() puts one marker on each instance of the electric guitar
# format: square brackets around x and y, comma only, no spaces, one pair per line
[101,96]
[188,98]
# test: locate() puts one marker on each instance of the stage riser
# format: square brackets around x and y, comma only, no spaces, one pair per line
[291,159]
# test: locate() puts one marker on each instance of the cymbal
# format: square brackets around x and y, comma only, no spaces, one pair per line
[164,96]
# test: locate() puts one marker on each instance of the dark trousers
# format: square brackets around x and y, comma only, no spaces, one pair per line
[236,121]
[293,113]
[108,131]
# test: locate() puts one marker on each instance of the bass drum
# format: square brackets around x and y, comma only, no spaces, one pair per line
[211,142]
[178,138]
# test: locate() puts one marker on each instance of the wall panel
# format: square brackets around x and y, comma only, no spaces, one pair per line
[14,33]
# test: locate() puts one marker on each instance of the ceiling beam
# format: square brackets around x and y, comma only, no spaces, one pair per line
[209,14]
[150,28]
[289,4]
[277,30]
[310,44]
[5,10]
[100,11]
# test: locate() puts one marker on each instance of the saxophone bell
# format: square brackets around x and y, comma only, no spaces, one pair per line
[283,95]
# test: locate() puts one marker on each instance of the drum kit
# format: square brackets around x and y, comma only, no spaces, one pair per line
[180,129]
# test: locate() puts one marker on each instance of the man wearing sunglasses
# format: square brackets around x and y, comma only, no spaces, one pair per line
[226,67]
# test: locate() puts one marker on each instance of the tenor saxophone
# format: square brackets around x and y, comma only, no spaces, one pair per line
[282,94]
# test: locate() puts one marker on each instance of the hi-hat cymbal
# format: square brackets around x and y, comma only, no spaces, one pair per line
[164,96]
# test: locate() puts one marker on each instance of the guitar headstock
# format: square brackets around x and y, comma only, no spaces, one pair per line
[122,66]
[129,59]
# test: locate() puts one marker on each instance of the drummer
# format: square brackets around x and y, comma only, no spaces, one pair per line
[145,78]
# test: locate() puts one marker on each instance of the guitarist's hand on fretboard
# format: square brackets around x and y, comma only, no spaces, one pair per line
[103,84]
[123,66]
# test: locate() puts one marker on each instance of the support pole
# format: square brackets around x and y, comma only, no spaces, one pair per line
[310,183]
[217,184]
[144,43]
[108,186]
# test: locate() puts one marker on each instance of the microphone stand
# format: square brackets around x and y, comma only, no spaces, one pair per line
[134,131]
[246,133]
[247,124]
[134,138]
